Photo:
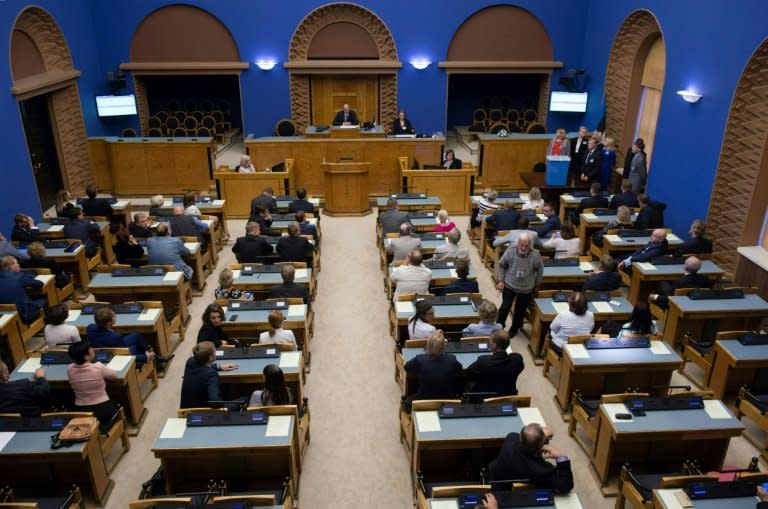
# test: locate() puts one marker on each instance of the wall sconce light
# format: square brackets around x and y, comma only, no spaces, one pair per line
[420,63]
[265,64]
[689,95]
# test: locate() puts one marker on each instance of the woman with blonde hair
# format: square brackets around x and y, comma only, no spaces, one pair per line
[245,166]
[276,334]
[227,290]
[64,206]
[534,199]
[623,221]
[445,223]
[487,312]
[439,373]
[607,163]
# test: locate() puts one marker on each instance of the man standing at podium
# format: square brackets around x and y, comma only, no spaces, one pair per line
[346,116]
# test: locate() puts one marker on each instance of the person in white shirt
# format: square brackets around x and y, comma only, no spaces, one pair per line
[245,166]
[420,324]
[190,205]
[276,334]
[411,276]
[576,321]
[275,391]
[487,312]
[535,200]
[565,242]
[58,333]
[451,250]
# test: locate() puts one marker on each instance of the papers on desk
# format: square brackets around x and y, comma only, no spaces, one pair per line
[569,501]
[119,362]
[577,351]
[296,311]
[56,228]
[542,217]
[716,410]
[669,498]
[30,365]
[530,416]
[74,314]
[560,307]
[591,217]
[586,266]
[148,315]
[612,237]
[289,359]
[5,437]
[236,273]
[5,318]
[617,408]
[452,272]
[671,237]
[174,428]
[603,307]
[404,306]
[120,204]
[172,276]
[44,277]
[646,265]
[302,273]
[445,503]
[427,422]
[192,246]
[278,426]
[659,348]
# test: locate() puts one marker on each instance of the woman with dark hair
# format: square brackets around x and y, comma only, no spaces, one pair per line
[576,321]
[638,170]
[57,332]
[127,249]
[89,382]
[420,324]
[275,391]
[211,329]
[640,324]
[450,162]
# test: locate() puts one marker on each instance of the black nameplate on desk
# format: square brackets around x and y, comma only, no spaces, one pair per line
[422,215]
[62,357]
[716,294]
[198,199]
[561,262]
[560,297]
[119,309]
[226,418]
[408,196]
[754,339]
[733,489]
[247,353]
[616,343]
[283,217]
[58,220]
[430,236]
[604,212]
[529,213]
[447,300]
[249,270]
[255,305]
[504,195]
[440,265]
[668,260]
[639,406]
[510,499]
[141,271]
[285,197]
[634,233]
[32,423]
[464,347]
[477,410]
[598,296]
[59,244]
[111,200]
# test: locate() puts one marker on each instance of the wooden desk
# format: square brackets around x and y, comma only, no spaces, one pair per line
[346,188]
[571,201]
[238,189]
[194,259]
[456,315]
[74,262]
[424,202]
[662,437]
[611,371]
[250,374]
[667,499]
[217,208]
[646,277]
[48,290]
[12,349]
[590,223]
[284,201]
[56,231]
[619,247]
[145,166]
[261,282]
[308,153]
[121,209]
[345,132]
[691,315]
[569,501]
[565,278]
[452,186]
[503,160]
[752,268]
[734,366]
[440,277]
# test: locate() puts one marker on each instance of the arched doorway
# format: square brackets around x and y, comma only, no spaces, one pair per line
[45,84]
[634,82]
[327,70]
[737,208]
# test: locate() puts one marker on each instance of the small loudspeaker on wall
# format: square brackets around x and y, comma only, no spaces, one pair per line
[117,81]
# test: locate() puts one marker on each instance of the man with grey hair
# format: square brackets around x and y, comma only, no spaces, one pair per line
[165,250]
[294,247]
[520,273]
[156,206]
[400,247]
[24,396]
[690,279]
[411,276]
[512,235]
[183,225]
[252,248]
[139,227]
[451,250]
[657,246]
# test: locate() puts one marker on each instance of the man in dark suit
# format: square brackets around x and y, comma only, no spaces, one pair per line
[392,218]
[605,278]
[252,248]
[590,169]
[401,125]
[461,284]
[524,455]
[697,244]
[265,201]
[24,229]
[657,246]
[306,227]
[93,206]
[301,203]
[578,149]
[294,247]
[595,200]
[346,116]
[26,397]
[200,386]
[288,288]
[83,230]
[497,372]
[139,227]
[505,218]
[439,373]
[651,214]
[13,289]
[552,222]
[101,335]
[626,197]
[689,279]
[183,225]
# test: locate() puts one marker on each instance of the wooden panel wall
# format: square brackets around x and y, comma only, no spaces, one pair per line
[330,93]
[505,159]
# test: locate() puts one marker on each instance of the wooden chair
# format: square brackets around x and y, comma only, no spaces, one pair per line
[520,400]
[74,500]
[754,406]
[407,426]
[64,292]
[702,353]
[636,489]
[251,500]
[584,412]
[475,339]
[301,432]
[150,503]
[553,360]
[181,413]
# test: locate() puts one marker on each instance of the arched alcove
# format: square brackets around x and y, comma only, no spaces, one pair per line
[344,40]
[740,193]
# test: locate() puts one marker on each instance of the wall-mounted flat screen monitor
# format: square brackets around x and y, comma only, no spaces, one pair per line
[115,105]
[572,102]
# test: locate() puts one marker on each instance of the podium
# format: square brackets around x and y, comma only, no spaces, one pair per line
[346,189]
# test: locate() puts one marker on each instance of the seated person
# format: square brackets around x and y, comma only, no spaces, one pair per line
[139,227]
[450,162]
[487,312]
[420,324]
[401,125]
[534,200]
[64,204]
[657,246]
[13,290]
[166,250]
[595,200]
[264,219]
[275,392]
[445,224]
[565,243]
[127,249]
[301,203]
[411,276]
[451,250]
[497,372]
[227,290]
[294,247]
[524,455]
[88,380]
[101,335]
[305,226]
[276,334]
[346,116]
[252,248]
[83,230]
[200,386]
[37,260]
[576,321]
[93,206]
[399,247]
[156,206]
[24,229]
[605,278]
[189,202]
[26,397]
[651,213]
[391,219]
[439,373]
[211,330]
[288,288]
[511,236]
[461,284]
[183,225]
[626,197]
[689,279]
[245,166]
[487,205]
[8,249]
[697,244]
[640,325]
[623,221]
[264,202]
[551,223]
[506,218]
[56,332]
